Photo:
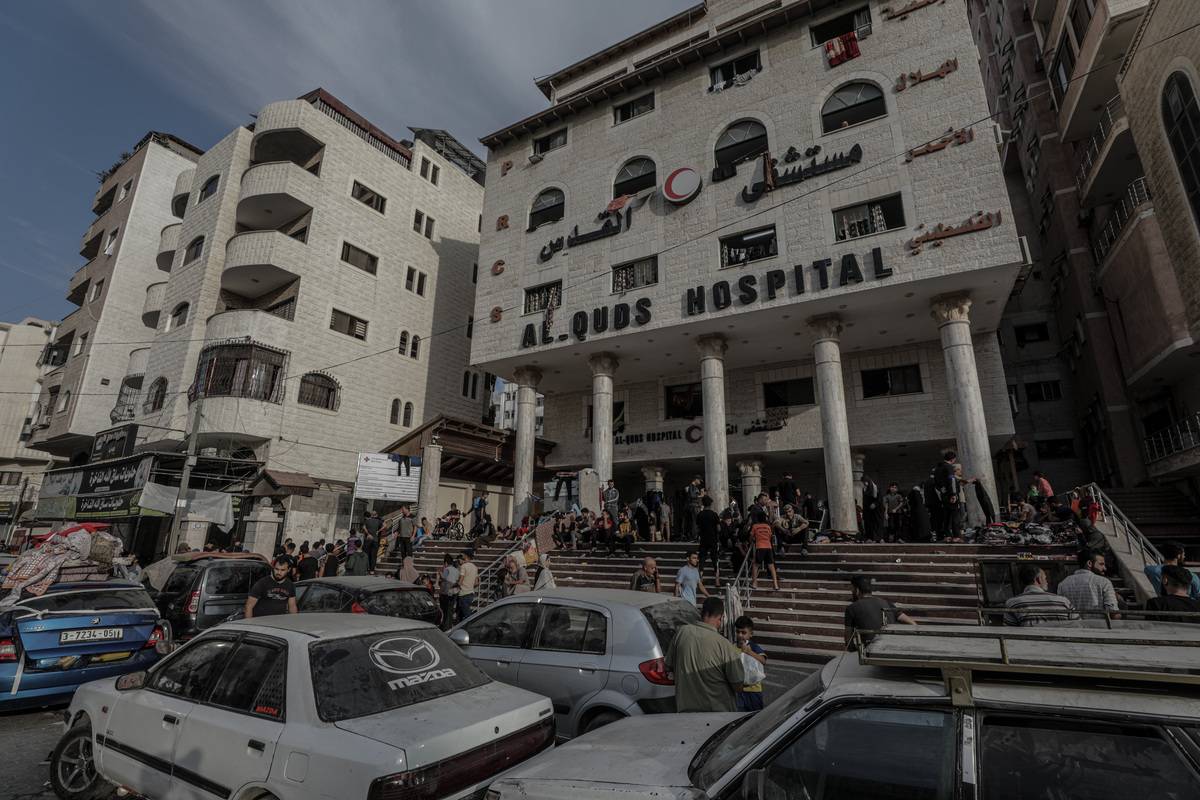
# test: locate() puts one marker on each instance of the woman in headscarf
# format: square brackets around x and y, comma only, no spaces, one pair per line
[545,578]
[918,516]
[407,572]
[516,579]
[874,516]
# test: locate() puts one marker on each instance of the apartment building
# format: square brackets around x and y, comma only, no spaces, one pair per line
[89,362]
[505,413]
[21,468]
[739,236]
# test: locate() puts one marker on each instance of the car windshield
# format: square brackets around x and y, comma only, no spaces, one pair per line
[667,618]
[90,600]
[723,751]
[363,675]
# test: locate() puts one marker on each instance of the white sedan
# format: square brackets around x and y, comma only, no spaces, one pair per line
[301,706]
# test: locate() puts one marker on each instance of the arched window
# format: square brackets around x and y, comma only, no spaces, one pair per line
[156,398]
[415,350]
[208,189]
[549,206]
[178,316]
[403,348]
[740,142]
[1181,118]
[319,391]
[194,249]
[408,414]
[466,389]
[851,104]
[394,417]
[637,174]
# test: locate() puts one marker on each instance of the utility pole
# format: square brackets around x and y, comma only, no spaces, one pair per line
[185,478]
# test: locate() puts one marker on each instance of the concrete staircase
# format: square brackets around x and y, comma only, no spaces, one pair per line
[1162,513]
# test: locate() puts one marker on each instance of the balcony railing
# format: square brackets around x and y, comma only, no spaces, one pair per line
[1135,195]
[1183,435]
[1113,112]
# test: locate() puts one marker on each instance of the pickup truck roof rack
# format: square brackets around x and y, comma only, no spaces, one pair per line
[1152,653]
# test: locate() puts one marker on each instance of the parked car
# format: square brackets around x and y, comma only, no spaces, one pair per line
[597,653]
[203,589]
[298,707]
[72,634]
[367,595]
[1072,714]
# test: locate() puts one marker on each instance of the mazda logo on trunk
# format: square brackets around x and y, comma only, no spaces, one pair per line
[404,655]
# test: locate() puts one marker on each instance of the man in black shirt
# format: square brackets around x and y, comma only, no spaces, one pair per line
[306,567]
[786,492]
[708,525]
[289,555]
[1177,582]
[868,613]
[274,593]
[331,562]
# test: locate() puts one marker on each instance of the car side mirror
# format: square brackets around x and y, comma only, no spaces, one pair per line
[131,680]
[460,637]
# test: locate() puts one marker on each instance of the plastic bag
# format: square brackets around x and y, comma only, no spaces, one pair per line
[754,670]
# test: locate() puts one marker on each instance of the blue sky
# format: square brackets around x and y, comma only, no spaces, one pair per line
[82,81]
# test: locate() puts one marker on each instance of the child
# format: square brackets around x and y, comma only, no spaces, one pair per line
[749,698]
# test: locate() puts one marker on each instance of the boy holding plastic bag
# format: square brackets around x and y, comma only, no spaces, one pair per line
[754,659]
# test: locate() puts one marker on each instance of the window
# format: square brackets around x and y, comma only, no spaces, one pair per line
[421,284]
[64,402]
[549,206]
[435,173]
[251,371]
[470,327]
[97,288]
[506,626]
[319,391]
[571,630]
[342,322]
[194,249]
[410,279]
[876,216]
[403,348]
[891,381]
[359,258]
[475,272]
[634,108]
[849,22]
[1055,448]
[466,387]
[794,392]
[429,171]
[178,316]
[474,385]
[368,197]
[1061,70]
[549,142]
[740,142]
[618,417]
[1043,391]
[208,189]
[251,674]
[906,754]
[111,244]
[156,398]
[189,672]
[723,73]
[429,223]
[539,298]
[635,275]
[125,190]
[394,416]
[1036,332]
[284,309]
[408,415]
[683,401]
[80,343]
[1181,118]
[416,346]
[1081,16]
[851,104]
[1029,753]
[425,168]
[418,220]
[636,175]
[742,248]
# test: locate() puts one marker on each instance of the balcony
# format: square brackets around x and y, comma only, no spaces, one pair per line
[259,262]
[287,144]
[183,190]
[1108,160]
[138,359]
[249,324]
[1106,39]
[1134,201]
[153,304]
[91,247]
[1174,448]
[77,287]
[274,194]
[168,243]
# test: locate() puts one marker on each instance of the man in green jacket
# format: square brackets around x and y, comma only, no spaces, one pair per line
[708,668]
[356,560]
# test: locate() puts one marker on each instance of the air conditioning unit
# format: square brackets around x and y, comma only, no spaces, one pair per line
[535,158]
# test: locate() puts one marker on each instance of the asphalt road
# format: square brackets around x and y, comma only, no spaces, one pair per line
[26,740]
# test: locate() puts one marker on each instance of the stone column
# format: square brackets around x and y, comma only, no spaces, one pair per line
[527,379]
[716,452]
[751,472]
[262,528]
[431,478]
[857,469]
[654,474]
[835,432]
[952,313]
[604,366]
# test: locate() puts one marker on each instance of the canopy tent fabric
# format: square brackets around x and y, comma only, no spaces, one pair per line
[215,507]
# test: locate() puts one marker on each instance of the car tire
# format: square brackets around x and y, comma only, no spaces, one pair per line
[602,718]
[73,773]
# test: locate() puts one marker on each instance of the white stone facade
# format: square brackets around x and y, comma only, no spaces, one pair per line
[21,468]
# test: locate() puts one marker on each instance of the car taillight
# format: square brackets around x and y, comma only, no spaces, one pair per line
[655,671]
[8,650]
[357,608]
[156,636]
[458,772]
[193,603]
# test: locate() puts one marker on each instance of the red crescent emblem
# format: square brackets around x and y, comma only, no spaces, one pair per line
[682,186]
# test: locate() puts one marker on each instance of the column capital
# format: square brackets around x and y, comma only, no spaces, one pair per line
[527,376]
[711,345]
[750,469]
[826,327]
[948,308]
[603,364]
[654,472]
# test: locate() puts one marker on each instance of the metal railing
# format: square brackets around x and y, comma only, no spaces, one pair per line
[1112,113]
[1124,210]
[1183,435]
[485,586]
[1135,541]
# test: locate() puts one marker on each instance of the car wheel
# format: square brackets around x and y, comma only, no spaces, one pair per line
[601,719]
[73,773]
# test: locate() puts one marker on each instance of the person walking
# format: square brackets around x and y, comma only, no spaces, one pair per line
[612,499]
[867,613]
[306,567]
[694,491]
[646,579]
[272,594]
[479,509]
[764,554]
[708,527]
[371,527]
[405,527]
[468,583]
[356,559]
[707,666]
[447,590]
[1087,588]
[688,580]
[329,563]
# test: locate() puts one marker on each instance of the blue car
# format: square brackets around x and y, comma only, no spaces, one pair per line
[72,634]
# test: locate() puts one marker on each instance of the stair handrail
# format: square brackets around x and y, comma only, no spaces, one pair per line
[1123,525]
[485,586]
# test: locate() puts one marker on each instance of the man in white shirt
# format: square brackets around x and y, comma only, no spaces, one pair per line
[1087,588]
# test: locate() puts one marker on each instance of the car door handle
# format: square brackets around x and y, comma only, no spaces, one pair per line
[170,719]
[587,668]
[255,744]
[501,662]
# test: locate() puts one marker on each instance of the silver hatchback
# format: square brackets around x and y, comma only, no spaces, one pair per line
[596,653]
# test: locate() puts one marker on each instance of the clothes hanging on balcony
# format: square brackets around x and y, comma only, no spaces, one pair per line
[843,48]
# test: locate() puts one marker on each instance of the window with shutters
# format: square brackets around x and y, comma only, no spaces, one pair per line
[360,258]
[350,325]
[415,350]
[403,348]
